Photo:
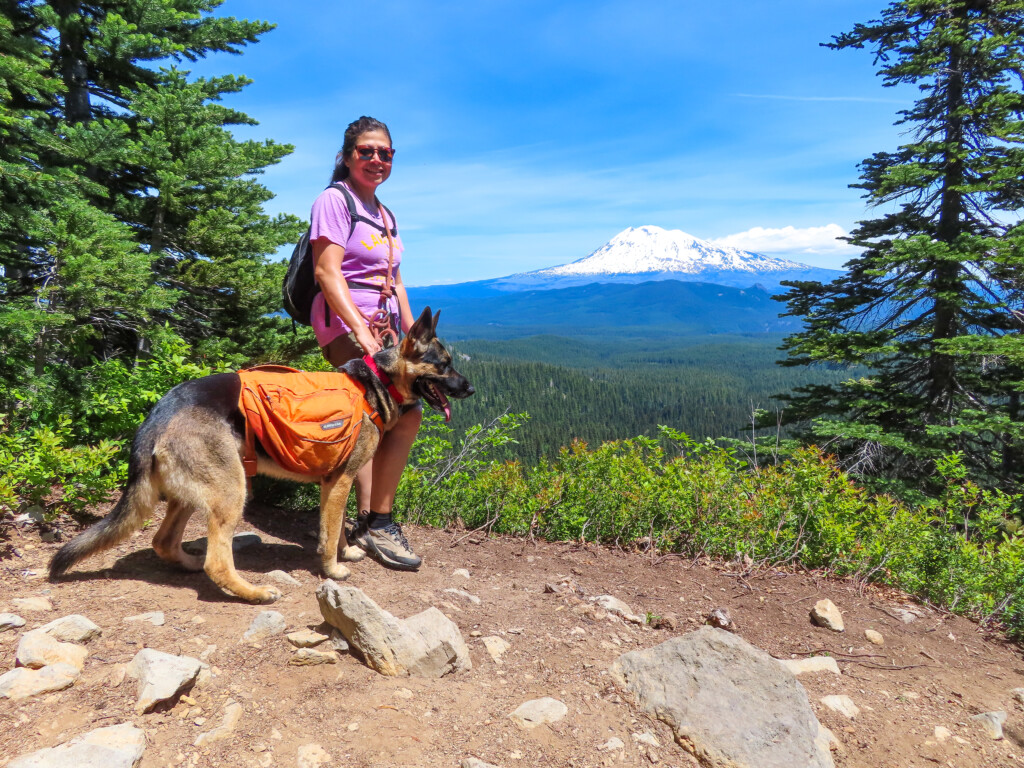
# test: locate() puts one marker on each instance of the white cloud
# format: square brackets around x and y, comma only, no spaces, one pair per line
[792,240]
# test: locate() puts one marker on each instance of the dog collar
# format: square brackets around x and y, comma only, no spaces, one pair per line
[384,379]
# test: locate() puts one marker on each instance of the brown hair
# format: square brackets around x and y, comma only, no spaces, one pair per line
[355,129]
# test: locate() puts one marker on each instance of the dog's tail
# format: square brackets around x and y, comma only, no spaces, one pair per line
[137,501]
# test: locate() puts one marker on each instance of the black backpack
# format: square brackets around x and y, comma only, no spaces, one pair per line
[300,287]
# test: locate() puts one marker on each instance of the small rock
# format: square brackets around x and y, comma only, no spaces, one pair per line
[992,723]
[538,712]
[404,693]
[825,614]
[116,746]
[305,638]
[647,738]
[811,664]
[33,604]
[842,704]
[161,676]
[942,734]
[720,618]
[232,715]
[466,595]
[156,618]
[21,683]
[907,617]
[615,606]
[472,762]
[37,649]
[613,743]
[312,756]
[496,647]
[242,541]
[305,657]
[668,621]
[10,621]
[71,629]
[282,577]
[461,572]
[875,638]
[266,624]
[1018,695]
[338,641]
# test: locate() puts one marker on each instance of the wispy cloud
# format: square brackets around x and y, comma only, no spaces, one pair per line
[793,240]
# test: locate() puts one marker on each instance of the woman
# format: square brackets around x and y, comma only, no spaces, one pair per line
[351,260]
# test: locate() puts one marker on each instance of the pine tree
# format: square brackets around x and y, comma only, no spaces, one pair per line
[932,308]
[136,213]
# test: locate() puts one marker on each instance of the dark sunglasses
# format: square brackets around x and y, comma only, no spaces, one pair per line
[385,154]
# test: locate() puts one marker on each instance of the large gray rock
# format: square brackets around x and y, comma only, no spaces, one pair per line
[428,644]
[161,676]
[729,703]
[116,746]
[36,649]
[71,629]
[21,683]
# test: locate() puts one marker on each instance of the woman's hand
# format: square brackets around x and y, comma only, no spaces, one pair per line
[367,340]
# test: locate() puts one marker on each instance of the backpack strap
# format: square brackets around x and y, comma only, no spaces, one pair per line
[354,214]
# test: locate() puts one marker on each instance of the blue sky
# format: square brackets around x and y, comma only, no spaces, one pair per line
[529,133]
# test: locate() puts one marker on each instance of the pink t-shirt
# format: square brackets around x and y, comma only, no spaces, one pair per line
[364,265]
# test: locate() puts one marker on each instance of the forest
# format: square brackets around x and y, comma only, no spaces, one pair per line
[577,388]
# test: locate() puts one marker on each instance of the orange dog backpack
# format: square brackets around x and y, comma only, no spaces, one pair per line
[308,422]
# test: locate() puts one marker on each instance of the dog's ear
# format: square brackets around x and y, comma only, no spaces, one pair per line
[433,323]
[423,329]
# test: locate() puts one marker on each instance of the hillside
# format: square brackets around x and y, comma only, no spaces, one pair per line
[933,673]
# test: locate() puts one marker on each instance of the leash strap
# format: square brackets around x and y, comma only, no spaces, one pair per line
[379,322]
[384,379]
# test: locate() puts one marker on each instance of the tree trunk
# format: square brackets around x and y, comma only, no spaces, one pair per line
[73,67]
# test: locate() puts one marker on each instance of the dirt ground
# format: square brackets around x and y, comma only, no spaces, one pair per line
[938,670]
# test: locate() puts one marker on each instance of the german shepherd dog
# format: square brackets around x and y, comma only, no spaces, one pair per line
[189,452]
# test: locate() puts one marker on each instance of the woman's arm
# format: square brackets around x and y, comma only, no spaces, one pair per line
[328,257]
[403,302]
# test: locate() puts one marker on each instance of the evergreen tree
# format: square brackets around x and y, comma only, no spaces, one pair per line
[131,206]
[933,306]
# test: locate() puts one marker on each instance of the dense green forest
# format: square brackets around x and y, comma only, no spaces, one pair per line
[576,388]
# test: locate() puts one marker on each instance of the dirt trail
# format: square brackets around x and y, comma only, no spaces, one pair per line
[938,670]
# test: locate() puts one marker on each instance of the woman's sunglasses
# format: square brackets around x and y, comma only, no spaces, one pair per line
[385,154]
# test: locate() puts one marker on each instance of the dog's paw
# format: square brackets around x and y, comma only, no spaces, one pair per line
[352,553]
[337,572]
[266,595]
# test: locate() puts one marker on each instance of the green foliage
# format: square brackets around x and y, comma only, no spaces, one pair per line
[958,550]
[64,440]
[933,305]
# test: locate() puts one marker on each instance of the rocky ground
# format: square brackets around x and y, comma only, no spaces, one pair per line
[914,695]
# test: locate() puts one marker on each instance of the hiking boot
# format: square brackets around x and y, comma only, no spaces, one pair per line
[387,545]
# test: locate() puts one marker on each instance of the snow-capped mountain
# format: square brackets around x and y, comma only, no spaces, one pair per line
[640,254]
[653,249]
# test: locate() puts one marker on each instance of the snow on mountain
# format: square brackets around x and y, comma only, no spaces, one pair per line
[653,249]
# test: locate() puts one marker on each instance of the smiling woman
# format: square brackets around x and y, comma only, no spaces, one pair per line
[361,307]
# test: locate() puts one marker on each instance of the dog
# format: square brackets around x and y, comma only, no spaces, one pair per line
[189,451]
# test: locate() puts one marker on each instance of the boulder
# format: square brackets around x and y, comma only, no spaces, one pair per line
[729,703]
[116,746]
[36,649]
[21,683]
[161,676]
[71,629]
[428,644]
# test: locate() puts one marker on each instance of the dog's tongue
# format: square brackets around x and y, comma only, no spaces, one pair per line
[447,412]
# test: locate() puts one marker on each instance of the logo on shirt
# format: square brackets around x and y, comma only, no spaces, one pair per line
[375,240]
